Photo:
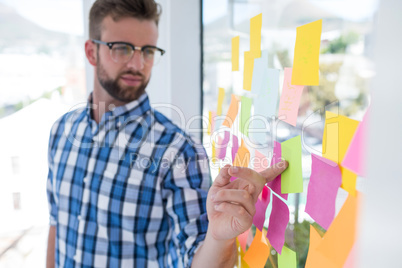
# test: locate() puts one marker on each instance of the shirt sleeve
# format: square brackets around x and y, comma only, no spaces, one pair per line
[186,187]
[49,186]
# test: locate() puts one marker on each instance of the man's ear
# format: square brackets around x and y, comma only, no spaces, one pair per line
[90,52]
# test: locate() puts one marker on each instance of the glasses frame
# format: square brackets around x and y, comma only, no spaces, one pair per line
[110,45]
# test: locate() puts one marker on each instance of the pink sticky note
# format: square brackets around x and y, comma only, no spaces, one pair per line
[325,180]
[355,157]
[261,208]
[290,99]
[243,239]
[275,185]
[222,145]
[260,161]
[235,147]
[278,220]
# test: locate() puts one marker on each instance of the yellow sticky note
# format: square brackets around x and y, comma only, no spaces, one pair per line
[338,133]
[258,252]
[340,236]
[240,256]
[235,53]
[213,152]
[255,35]
[232,112]
[221,96]
[248,70]
[209,129]
[287,259]
[242,158]
[306,56]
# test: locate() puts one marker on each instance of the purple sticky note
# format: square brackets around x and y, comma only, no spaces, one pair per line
[261,208]
[275,185]
[325,180]
[235,147]
[221,148]
[355,157]
[278,220]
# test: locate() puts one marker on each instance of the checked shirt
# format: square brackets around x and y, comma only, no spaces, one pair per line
[127,192]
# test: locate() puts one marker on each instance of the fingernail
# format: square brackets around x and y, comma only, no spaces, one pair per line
[235,169]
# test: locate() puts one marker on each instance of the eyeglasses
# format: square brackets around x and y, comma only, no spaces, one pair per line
[122,52]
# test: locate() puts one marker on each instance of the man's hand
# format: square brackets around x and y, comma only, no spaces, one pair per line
[231,205]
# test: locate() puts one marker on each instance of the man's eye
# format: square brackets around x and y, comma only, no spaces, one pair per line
[149,52]
[122,49]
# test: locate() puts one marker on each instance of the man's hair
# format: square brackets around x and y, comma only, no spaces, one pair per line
[118,9]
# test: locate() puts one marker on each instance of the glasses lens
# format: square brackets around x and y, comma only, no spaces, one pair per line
[121,52]
[151,55]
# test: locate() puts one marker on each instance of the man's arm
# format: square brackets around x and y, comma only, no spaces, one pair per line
[51,247]
[231,208]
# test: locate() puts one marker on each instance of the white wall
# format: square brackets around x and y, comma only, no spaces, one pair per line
[380,225]
[176,80]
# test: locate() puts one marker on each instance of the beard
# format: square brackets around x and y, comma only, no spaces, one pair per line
[113,88]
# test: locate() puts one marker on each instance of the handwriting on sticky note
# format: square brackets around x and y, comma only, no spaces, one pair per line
[290,99]
[278,220]
[325,180]
[292,178]
[258,252]
[306,55]
[235,53]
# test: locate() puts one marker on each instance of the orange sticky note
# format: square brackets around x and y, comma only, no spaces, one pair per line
[248,70]
[221,96]
[232,112]
[306,56]
[314,258]
[338,133]
[242,158]
[340,236]
[258,252]
[255,35]
[235,53]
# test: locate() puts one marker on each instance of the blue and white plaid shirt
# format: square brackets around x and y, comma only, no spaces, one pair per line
[127,192]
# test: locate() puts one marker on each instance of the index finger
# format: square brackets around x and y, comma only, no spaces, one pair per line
[274,171]
[268,174]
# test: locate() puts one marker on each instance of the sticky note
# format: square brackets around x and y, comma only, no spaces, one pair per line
[314,258]
[242,158]
[222,145]
[211,122]
[232,112]
[213,156]
[287,259]
[235,53]
[338,133]
[245,114]
[275,185]
[340,236]
[292,178]
[240,256]
[355,157]
[255,35]
[306,56]
[235,148]
[221,96]
[261,208]
[325,180]
[290,99]
[259,72]
[248,70]
[278,220]
[260,162]
[258,252]
[243,239]
[266,102]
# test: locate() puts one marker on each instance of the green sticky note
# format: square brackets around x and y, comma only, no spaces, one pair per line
[245,114]
[292,177]
[287,259]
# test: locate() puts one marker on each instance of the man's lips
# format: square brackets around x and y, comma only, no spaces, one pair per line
[131,80]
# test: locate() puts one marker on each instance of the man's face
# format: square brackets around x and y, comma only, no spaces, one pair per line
[125,82]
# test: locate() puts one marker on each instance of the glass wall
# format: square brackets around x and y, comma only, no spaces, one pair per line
[345,71]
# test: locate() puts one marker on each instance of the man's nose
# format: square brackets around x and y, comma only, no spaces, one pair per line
[137,61]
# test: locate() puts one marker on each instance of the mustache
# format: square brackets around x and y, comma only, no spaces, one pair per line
[132,73]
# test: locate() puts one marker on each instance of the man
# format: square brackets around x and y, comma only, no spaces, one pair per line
[126,187]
